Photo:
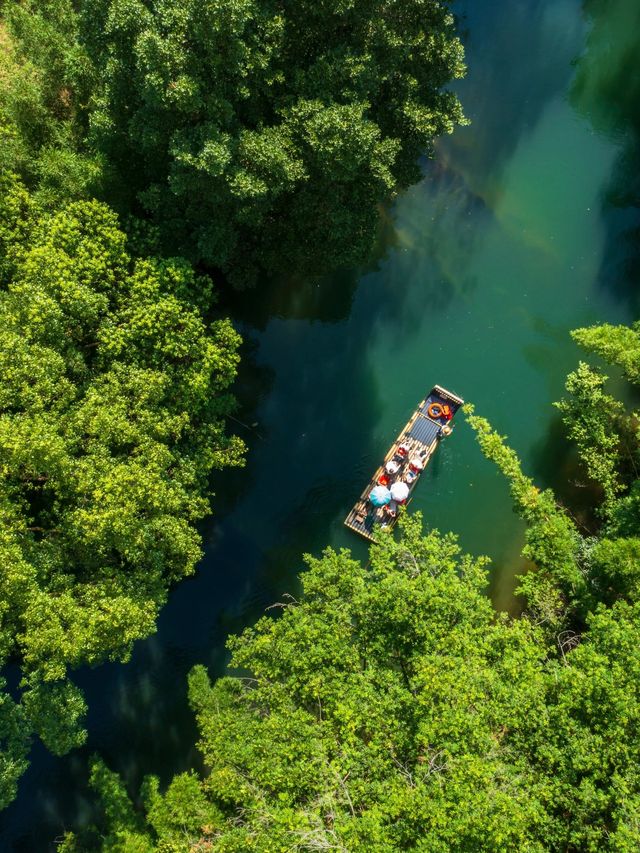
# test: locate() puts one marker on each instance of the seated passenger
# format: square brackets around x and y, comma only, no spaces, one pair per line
[391,510]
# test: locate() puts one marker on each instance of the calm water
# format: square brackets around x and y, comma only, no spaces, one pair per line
[521,230]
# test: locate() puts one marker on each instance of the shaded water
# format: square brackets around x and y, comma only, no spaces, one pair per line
[519,232]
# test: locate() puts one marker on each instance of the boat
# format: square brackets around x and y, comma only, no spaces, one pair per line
[405,462]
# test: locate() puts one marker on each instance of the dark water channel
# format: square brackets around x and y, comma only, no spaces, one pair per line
[520,231]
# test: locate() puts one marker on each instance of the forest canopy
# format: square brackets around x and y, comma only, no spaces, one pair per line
[257,135]
[137,140]
[112,410]
[391,708]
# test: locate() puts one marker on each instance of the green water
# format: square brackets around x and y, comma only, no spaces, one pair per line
[500,251]
[521,230]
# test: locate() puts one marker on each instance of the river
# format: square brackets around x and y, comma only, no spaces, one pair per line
[517,234]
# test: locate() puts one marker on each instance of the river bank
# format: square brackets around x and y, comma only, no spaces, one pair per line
[483,268]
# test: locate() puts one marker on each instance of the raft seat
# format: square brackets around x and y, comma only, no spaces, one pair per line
[424,430]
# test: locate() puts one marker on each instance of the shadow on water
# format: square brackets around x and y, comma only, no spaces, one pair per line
[331,369]
[266,515]
[606,91]
[556,464]
[325,299]
[530,42]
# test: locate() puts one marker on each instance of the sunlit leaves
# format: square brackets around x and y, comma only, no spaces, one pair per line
[45,78]
[552,540]
[618,345]
[112,415]
[381,701]
[591,418]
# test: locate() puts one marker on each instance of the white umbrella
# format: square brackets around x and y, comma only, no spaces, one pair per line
[417,462]
[399,491]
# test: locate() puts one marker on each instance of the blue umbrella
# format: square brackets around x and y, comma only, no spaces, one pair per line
[380,496]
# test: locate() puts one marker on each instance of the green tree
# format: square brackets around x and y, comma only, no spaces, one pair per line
[112,412]
[619,345]
[591,418]
[608,437]
[558,586]
[590,753]
[14,737]
[378,704]
[262,134]
[391,709]
[45,81]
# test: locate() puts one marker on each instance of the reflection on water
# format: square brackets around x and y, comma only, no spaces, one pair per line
[519,56]
[509,241]
[606,85]
[325,299]
[606,90]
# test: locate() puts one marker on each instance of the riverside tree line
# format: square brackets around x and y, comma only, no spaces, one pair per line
[392,708]
[146,147]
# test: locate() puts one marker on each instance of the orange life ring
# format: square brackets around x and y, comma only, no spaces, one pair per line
[435,410]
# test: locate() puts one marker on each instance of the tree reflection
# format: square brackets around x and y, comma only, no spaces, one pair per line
[606,91]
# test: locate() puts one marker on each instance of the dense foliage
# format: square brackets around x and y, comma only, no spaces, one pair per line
[45,84]
[112,409]
[392,709]
[249,135]
[258,134]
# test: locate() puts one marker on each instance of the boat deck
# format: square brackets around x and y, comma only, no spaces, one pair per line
[421,435]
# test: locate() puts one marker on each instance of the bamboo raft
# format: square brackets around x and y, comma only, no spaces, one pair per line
[420,437]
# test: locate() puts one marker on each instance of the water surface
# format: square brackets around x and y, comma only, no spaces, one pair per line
[522,228]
